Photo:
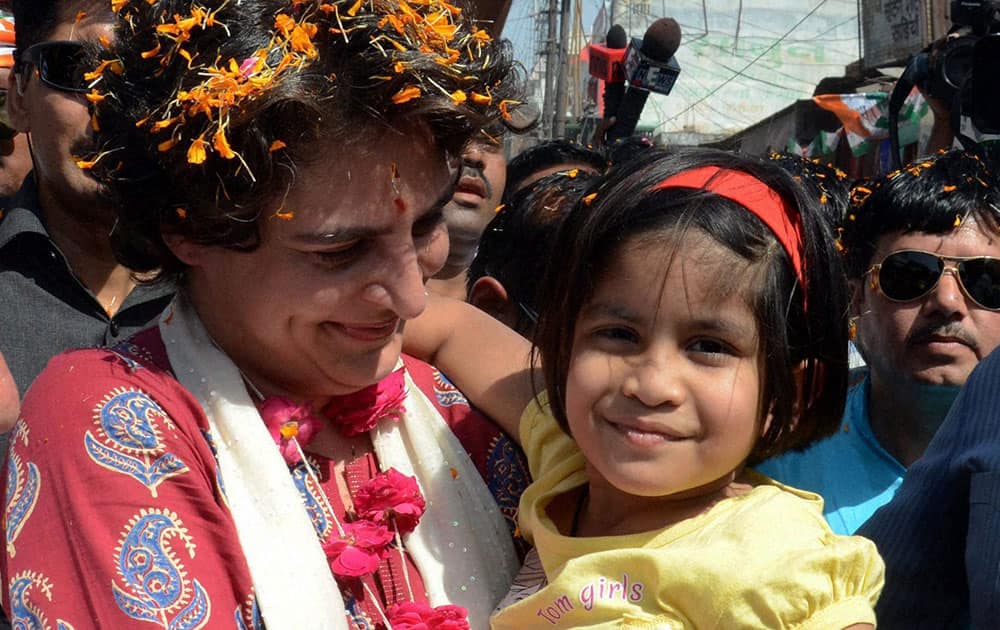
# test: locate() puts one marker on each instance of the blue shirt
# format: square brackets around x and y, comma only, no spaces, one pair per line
[850,469]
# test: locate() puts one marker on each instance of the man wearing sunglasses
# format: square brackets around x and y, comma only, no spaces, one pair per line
[923,260]
[60,285]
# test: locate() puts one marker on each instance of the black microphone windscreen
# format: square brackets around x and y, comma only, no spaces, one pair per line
[617,37]
[662,39]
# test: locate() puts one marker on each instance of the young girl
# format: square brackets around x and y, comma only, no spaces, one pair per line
[696,324]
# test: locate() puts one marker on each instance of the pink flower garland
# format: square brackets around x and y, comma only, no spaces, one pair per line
[415,616]
[359,412]
[388,505]
[391,495]
[292,425]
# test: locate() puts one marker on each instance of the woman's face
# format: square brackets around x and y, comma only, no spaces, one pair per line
[318,309]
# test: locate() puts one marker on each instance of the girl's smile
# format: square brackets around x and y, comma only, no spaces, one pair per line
[663,389]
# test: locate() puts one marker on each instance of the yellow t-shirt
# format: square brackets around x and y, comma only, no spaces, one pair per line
[766,559]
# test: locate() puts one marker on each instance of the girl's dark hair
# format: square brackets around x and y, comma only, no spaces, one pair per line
[516,245]
[932,195]
[329,70]
[795,327]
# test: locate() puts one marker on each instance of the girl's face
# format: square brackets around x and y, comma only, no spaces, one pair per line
[663,388]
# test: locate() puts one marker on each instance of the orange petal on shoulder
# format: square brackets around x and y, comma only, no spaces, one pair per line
[277,145]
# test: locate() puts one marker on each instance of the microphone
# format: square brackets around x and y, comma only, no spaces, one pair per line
[649,66]
[614,91]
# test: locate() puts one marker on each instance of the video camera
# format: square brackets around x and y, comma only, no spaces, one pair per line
[962,69]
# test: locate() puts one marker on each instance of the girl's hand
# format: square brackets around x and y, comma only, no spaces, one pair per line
[487,361]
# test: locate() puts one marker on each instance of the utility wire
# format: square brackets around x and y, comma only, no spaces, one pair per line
[747,67]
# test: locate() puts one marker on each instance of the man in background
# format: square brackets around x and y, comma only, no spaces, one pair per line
[922,258]
[477,195]
[60,285]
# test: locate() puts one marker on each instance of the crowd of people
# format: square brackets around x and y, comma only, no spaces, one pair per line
[287,343]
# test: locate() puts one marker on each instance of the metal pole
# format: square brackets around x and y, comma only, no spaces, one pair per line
[551,68]
[562,78]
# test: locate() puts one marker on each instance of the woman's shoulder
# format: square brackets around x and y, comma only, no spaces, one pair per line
[80,387]
[143,351]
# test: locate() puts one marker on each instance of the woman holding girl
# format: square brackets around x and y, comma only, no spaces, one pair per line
[694,325]
[263,455]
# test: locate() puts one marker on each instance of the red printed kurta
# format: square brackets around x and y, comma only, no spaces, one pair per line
[115,515]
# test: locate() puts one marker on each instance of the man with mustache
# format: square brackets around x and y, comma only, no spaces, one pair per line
[922,248]
[477,195]
[60,285]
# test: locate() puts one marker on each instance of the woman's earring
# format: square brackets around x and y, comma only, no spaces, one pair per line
[852,328]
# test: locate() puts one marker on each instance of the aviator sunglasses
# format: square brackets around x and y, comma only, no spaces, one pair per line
[911,274]
[61,65]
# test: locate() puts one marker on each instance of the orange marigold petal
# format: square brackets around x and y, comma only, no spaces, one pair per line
[166,145]
[146,54]
[406,95]
[277,145]
[481,99]
[197,151]
[221,145]
[355,8]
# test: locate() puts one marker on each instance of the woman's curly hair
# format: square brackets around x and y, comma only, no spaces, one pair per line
[203,109]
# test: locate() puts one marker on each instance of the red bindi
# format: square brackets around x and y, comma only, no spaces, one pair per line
[400,205]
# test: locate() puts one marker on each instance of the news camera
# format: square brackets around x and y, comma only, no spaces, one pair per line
[960,69]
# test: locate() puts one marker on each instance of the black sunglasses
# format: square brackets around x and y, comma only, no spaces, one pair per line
[61,65]
[911,274]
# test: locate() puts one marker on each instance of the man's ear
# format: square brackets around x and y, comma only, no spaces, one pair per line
[488,295]
[20,118]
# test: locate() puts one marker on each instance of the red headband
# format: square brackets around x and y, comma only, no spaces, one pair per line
[755,196]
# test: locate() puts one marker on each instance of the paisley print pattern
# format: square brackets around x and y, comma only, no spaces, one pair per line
[507,477]
[447,394]
[132,355]
[129,427]
[210,440]
[153,584]
[26,614]
[313,498]
[248,616]
[23,485]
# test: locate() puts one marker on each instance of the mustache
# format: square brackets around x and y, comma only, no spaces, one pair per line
[943,329]
[469,170]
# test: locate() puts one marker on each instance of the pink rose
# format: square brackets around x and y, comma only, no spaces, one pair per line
[450,617]
[391,494]
[289,422]
[409,616]
[418,616]
[360,550]
[359,412]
